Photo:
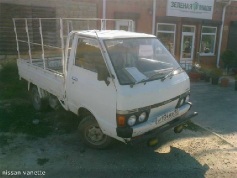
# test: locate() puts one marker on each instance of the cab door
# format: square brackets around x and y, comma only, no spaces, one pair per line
[85,90]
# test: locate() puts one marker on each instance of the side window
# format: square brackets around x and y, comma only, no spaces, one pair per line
[166,34]
[208,40]
[88,55]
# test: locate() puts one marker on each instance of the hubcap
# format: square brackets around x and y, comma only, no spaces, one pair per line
[95,136]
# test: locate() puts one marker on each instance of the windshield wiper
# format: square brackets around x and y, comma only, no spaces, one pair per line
[145,80]
[170,74]
[141,81]
[152,76]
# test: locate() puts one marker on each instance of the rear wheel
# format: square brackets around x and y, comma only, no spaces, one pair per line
[92,135]
[39,103]
[53,102]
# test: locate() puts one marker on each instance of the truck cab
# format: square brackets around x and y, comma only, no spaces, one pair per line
[127,83]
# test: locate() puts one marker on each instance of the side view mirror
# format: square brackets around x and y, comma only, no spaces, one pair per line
[102,74]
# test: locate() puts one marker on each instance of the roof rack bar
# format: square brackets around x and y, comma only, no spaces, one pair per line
[62,44]
[42,42]
[28,39]
[17,42]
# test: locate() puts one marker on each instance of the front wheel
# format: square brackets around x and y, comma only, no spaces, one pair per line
[92,135]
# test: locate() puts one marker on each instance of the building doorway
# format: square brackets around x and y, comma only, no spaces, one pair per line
[187,46]
[232,38]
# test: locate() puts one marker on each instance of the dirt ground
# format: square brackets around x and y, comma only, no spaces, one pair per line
[189,154]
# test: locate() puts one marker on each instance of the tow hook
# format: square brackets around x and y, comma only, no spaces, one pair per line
[152,142]
[178,129]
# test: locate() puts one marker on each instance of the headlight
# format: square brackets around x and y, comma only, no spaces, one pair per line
[142,117]
[132,120]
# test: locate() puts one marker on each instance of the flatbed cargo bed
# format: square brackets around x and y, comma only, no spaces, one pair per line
[50,79]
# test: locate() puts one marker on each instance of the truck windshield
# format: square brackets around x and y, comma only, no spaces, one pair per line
[138,60]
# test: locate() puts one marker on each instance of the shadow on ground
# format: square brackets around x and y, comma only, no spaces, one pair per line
[132,161]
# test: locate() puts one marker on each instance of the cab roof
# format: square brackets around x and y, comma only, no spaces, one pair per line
[113,34]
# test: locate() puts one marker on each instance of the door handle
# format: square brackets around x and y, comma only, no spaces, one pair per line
[75,79]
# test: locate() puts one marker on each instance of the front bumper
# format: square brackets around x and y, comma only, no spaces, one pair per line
[152,123]
[159,130]
[127,132]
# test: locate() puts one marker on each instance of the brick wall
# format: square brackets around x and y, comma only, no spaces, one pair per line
[38,9]
[137,10]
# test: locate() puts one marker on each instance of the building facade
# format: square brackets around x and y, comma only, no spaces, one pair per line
[190,29]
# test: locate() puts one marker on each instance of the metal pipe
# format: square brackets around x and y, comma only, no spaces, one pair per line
[154,17]
[103,21]
[42,42]
[62,45]
[221,33]
[17,42]
[104,9]
[28,39]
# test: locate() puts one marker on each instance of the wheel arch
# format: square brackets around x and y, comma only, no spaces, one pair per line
[83,112]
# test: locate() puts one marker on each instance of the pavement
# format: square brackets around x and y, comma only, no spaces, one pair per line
[217,108]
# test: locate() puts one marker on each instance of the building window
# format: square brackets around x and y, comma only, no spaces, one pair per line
[208,40]
[166,34]
[125,25]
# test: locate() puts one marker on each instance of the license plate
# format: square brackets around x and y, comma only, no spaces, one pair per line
[167,117]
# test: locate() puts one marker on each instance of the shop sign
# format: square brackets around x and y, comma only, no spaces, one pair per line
[202,9]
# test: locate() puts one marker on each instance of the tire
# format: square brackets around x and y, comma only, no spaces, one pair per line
[38,103]
[53,102]
[92,135]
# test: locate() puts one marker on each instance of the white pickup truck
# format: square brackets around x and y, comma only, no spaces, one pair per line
[125,85]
